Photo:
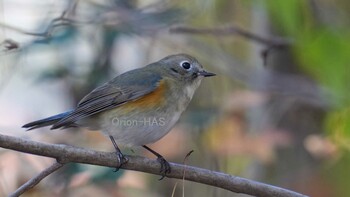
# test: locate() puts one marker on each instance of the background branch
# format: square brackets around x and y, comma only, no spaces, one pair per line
[65,153]
[231,30]
[35,180]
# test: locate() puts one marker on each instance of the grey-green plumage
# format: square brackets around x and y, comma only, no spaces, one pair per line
[120,90]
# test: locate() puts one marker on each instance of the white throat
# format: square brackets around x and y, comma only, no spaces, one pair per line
[190,89]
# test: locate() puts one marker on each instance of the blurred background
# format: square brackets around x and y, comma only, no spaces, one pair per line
[277,111]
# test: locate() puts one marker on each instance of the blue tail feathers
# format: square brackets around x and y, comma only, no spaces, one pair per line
[46,121]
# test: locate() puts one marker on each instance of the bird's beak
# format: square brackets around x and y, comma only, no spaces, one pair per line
[205,73]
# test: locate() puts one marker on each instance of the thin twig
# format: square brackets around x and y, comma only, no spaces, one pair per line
[79,155]
[231,30]
[35,180]
[174,189]
[62,20]
[56,22]
[184,171]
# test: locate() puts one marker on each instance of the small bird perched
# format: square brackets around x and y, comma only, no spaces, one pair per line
[137,107]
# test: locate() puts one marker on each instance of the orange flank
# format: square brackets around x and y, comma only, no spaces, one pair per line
[151,100]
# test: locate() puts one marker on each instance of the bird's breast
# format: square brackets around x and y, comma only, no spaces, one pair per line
[153,100]
[147,119]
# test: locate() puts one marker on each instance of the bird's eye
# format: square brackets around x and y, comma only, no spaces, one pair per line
[186,65]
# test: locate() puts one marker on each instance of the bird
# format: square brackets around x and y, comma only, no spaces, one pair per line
[138,107]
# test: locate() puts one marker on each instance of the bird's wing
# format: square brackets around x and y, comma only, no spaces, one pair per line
[119,91]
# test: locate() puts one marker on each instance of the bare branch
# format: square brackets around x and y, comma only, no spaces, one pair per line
[231,30]
[64,153]
[56,22]
[35,180]
[62,20]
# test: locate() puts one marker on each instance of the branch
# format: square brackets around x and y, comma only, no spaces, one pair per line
[64,153]
[62,20]
[231,30]
[35,180]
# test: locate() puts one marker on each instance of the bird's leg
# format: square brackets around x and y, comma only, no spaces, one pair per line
[164,164]
[121,158]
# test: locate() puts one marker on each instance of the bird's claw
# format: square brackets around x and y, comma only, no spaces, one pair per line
[121,160]
[164,167]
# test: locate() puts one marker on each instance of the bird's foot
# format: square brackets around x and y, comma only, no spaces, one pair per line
[121,160]
[164,167]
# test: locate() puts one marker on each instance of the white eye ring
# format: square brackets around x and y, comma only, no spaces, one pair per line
[186,65]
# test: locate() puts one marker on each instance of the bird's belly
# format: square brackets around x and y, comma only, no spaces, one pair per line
[138,127]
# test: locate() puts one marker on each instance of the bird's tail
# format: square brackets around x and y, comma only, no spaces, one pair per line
[46,121]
